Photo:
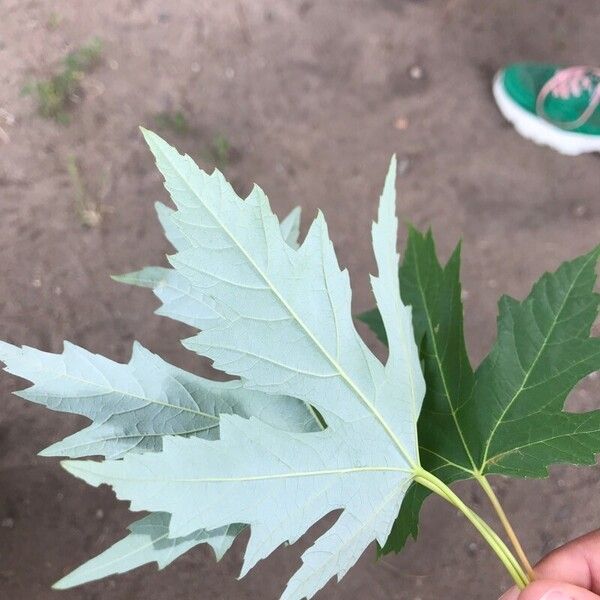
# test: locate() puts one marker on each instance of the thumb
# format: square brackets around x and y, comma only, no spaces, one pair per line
[550,590]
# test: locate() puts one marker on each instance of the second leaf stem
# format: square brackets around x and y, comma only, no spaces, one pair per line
[510,532]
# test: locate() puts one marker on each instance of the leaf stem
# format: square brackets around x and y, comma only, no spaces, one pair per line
[510,532]
[511,564]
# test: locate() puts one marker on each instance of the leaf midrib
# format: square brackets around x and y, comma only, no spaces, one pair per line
[113,390]
[75,466]
[104,439]
[138,549]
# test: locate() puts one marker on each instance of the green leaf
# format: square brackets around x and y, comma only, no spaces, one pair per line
[543,350]
[284,325]
[508,417]
[148,542]
[373,319]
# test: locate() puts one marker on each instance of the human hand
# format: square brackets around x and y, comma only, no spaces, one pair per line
[571,572]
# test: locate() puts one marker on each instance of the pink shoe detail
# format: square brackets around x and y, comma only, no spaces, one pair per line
[569,83]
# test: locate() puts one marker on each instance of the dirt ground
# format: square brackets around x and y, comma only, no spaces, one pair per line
[313,98]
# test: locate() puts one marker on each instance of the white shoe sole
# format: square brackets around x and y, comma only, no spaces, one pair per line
[539,131]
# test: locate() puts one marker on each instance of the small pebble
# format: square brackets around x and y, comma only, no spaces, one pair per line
[8,523]
[403,165]
[401,123]
[416,72]
[36,283]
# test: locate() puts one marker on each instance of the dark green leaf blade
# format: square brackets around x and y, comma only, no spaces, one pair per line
[372,319]
[558,438]
[514,418]
[508,417]
[435,295]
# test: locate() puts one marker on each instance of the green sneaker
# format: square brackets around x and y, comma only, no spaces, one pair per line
[551,105]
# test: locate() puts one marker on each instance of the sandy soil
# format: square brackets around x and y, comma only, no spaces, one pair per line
[314,97]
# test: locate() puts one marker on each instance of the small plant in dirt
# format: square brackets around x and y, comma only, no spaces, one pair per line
[54,21]
[313,421]
[219,152]
[175,122]
[55,94]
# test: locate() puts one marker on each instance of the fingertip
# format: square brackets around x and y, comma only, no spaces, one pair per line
[512,594]
[552,590]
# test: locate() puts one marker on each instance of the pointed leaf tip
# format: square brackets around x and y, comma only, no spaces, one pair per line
[152,139]
[8,351]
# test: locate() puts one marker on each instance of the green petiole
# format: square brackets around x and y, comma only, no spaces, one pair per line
[501,550]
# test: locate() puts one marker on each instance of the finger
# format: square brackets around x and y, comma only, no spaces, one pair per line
[577,562]
[512,594]
[555,590]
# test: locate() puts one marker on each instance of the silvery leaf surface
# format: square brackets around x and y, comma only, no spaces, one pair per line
[180,299]
[133,406]
[282,323]
[147,542]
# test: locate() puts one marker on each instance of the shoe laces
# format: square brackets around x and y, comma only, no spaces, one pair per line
[567,83]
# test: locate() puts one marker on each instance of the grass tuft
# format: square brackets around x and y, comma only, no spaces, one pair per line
[175,122]
[55,94]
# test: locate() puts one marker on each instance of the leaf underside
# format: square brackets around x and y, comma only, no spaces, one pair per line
[134,406]
[147,542]
[277,316]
